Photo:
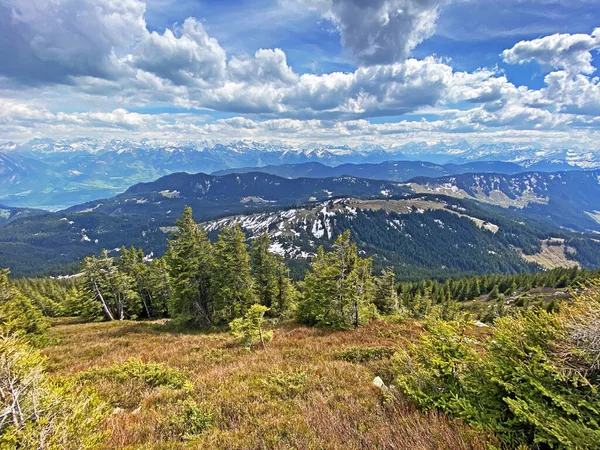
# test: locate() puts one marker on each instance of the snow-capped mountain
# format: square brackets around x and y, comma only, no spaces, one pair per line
[78,170]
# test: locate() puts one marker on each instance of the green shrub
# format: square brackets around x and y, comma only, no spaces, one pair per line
[249,329]
[535,380]
[286,385]
[18,315]
[39,412]
[364,354]
[193,420]
[151,374]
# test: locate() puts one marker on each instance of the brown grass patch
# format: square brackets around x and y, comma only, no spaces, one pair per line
[295,394]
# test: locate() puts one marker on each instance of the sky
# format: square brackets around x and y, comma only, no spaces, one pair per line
[349,72]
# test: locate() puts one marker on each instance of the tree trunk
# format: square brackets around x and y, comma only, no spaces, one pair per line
[104,305]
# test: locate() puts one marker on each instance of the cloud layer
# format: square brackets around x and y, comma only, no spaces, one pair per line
[91,67]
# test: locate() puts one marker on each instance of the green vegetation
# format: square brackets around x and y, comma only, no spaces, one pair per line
[150,341]
[151,374]
[18,315]
[249,329]
[39,411]
[338,289]
[534,380]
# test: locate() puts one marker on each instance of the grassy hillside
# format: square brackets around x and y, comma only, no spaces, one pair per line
[298,393]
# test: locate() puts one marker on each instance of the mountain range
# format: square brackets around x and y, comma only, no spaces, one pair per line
[56,174]
[469,223]
[387,170]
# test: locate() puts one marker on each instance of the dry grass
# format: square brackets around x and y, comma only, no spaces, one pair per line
[553,256]
[295,394]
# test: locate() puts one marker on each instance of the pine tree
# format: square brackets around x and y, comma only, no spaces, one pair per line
[190,265]
[233,287]
[386,298]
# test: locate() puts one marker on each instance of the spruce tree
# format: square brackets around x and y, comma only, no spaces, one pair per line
[110,287]
[190,268]
[338,289]
[264,270]
[286,291]
[386,298]
[232,287]
[17,313]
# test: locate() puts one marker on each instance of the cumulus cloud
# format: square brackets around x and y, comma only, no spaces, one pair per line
[381,31]
[54,41]
[570,52]
[268,66]
[184,56]
[110,63]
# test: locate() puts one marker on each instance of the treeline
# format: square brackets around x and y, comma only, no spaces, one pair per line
[204,283]
[487,297]
[494,285]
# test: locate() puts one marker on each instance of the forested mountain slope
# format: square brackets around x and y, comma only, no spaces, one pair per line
[563,199]
[432,234]
[388,170]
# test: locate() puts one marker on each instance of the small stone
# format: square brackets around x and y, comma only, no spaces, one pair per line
[379,383]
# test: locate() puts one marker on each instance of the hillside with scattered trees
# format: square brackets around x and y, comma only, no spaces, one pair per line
[216,345]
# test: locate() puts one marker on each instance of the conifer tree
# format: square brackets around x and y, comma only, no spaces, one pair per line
[233,287]
[151,280]
[17,314]
[113,289]
[190,267]
[338,288]
[386,297]
[250,328]
[264,270]
[272,284]
[286,291]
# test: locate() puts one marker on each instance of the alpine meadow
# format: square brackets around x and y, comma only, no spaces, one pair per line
[299,224]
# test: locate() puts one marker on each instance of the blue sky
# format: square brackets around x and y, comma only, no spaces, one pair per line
[336,71]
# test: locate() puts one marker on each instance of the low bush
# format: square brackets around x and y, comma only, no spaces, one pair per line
[364,354]
[193,419]
[286,385]
[152,374]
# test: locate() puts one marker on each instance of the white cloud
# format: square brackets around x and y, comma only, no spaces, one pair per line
[380,31]
[267,66]
[53,41]
[185,56]
[570,52]
[108,63]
